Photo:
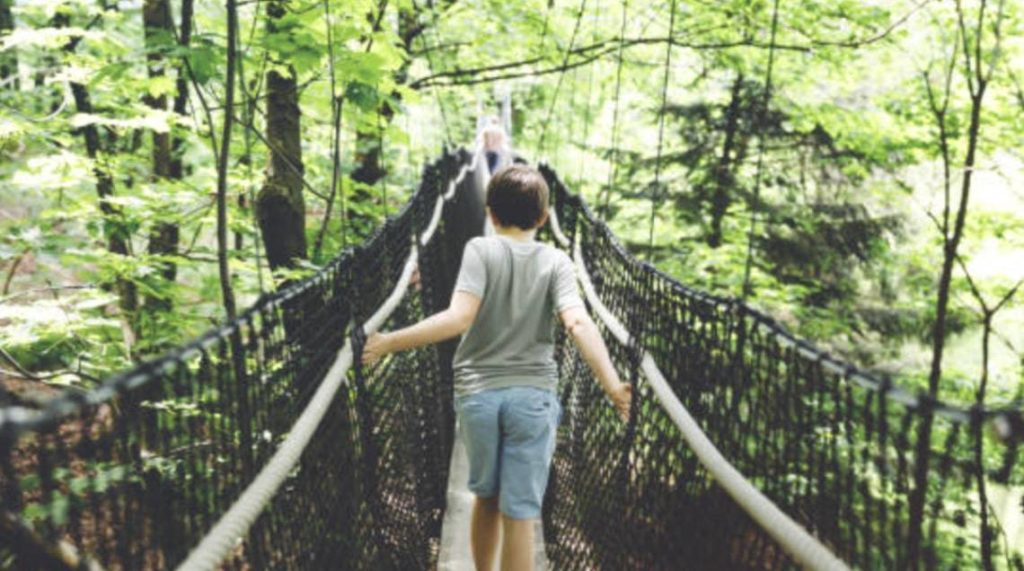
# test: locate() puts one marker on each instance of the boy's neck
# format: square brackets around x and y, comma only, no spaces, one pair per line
[515,233]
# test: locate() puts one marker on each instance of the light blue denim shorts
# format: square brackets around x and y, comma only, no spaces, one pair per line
[509,434]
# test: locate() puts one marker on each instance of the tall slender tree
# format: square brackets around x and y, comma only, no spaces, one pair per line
[159,33]
[978,68]
[9,57]
[180,105]
[280,205]
[117,235]
[412,23]
[723,175]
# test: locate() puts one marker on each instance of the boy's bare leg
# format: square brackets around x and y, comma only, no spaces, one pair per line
[485,532]
[517,544]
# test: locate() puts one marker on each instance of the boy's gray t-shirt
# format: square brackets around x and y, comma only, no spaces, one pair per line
[523,286]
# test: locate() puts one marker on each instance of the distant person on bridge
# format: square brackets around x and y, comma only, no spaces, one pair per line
[509,290]
[494,141]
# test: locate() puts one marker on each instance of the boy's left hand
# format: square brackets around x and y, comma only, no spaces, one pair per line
[376,347]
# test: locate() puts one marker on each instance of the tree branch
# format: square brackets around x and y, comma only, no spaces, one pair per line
[292,166]
[676,41]
[17,366]
[13,269]
[227,294]
[601,48]
[861,42]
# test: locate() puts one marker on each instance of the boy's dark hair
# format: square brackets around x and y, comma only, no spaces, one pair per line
[518,196]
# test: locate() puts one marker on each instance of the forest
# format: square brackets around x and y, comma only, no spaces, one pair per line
[852,168]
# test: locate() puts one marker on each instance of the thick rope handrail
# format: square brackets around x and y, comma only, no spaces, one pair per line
[1004,418]
[797,541]
[236,521]
[14,420]
[820,393]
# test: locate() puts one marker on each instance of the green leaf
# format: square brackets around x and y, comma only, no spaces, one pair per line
[363,96]
[162,85]
[60,506]
[30,483]
[204,60]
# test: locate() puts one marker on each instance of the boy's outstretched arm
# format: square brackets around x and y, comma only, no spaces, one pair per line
[443,325]
[587,337]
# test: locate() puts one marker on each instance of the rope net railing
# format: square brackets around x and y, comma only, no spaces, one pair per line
[135,474]
[138,473]
[831,446]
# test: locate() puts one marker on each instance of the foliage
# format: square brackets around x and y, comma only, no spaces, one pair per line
[839,160]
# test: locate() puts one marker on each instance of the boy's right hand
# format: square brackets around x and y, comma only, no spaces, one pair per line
[622,397]
[376,347]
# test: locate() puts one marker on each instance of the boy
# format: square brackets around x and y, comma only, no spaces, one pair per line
[507,293]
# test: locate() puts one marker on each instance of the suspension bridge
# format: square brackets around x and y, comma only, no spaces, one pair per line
[264,444]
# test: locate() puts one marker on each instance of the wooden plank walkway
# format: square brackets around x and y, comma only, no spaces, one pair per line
[455,551]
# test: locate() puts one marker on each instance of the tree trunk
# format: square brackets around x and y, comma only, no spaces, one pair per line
[951,242]
[9,57]
[368,157]
[163,240]
[724,178]
[280,205]
[116,234]
[979,446]
[368,147]
[368,151]
[117,238]
[181,89]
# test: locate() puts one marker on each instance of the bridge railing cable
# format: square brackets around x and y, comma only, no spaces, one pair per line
[800,544]
[821,453]
[350,463]
[217,545]
[814,457]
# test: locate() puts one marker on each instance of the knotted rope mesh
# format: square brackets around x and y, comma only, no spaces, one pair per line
[829,445]
[134,474]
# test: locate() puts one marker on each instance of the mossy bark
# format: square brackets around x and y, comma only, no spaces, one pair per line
[280,205]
